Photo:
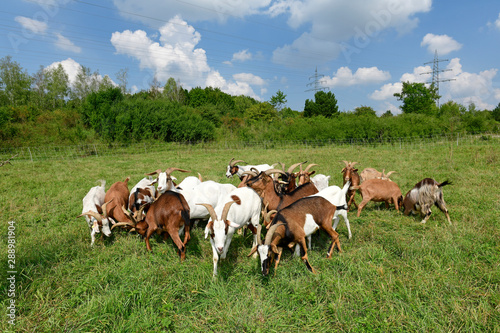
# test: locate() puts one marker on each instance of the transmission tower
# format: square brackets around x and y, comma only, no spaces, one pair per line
[316,84]
[435,73]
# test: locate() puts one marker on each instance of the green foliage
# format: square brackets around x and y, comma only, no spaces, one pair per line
[417,98]
[278,100]
[325,104]
[261,112]
[364,111]
[15,83]
[496,113]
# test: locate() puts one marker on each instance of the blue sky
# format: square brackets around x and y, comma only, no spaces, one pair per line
[362,49]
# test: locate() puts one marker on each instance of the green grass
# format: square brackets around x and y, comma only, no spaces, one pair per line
[395,274]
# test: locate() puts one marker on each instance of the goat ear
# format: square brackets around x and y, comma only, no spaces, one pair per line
[232,224]
[356,170]
[312,173]
[274,248]
[99,209]
[342,170]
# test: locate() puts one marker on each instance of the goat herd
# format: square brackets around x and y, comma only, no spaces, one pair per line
[293,205]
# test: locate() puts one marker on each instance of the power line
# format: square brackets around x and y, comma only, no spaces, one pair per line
[317,82]
[435,73]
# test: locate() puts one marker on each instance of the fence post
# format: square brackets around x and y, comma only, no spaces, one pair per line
[31,156]
[458,135]
[95,149]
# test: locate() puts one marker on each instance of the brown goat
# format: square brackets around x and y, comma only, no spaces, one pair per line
[263,184]
[292,224]
[304,176]
[423,195]
[350,174]
[119,193]
[378,190]
[168,215]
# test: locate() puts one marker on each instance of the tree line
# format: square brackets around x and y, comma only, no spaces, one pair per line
[44,108]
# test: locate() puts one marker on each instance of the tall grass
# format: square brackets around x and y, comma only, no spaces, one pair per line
[395,274]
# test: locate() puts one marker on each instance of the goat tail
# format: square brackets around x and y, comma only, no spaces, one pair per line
[355,187]
[446,182]
[103,182]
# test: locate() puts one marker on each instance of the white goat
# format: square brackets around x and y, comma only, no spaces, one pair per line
[239,208]
[320,181]
[164,180]
[93,202]
[190,182]
[232,168]
[206,192]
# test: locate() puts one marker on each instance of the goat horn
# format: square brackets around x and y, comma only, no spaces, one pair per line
[199,177]
[310,166]
[153,173]
[251,173]
[390,173]
[259,240]
[225,211]
[119,224]
[93,214]
[271,232]
[232,162]
[170,170]
[346,163]
[267,217]
[270,171]
[293,166]
[353,164]
[210,209]
[104,209]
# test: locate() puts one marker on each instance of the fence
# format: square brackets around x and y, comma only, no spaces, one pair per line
[96,150]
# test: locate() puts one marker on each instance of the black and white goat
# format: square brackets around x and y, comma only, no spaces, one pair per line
[241,207]
[423,195]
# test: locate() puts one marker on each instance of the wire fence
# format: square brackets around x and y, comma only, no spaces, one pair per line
[39,153]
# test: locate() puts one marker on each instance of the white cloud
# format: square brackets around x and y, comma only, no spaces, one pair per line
[444,44]
[242,56]
[71,67]
[153,12]
[341,26]
[36,27]
[249,78]
[65,44]
[496,24]
[175,56]
[463,87]
[344,77]
[235,88]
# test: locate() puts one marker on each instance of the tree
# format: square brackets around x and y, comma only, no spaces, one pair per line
[496,113]
[173,91]
[122,78]
[261,112]
[387,114]
[417,98]
[57,85]
[85,83]
[364,111]
[325,104]
[15,83]
[278,100]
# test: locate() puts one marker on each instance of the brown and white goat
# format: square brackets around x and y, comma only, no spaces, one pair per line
[292,224]
[263,184]
[350,174]
[119,193]
[379,190]
[142,193]
[168,215]
[233,169]
[423,195]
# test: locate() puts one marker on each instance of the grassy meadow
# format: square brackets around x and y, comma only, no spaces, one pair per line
[395,274]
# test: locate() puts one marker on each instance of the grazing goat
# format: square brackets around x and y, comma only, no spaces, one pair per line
[292,224]
[239,208]
[350,174]
[263,184]
[232,168]
[168,215]
[92,210]
[423,195]
[119,193]
[164,179]
[142,193]
[371,173]
[378,190]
